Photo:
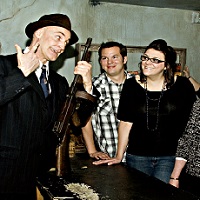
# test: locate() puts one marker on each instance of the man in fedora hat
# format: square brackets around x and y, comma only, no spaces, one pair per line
[27,113]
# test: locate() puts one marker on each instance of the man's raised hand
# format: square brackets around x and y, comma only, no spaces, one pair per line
[28,61]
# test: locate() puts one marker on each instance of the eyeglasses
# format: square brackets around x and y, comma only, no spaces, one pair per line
[153,60]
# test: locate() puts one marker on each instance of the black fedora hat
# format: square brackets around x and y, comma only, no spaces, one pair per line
[52,20]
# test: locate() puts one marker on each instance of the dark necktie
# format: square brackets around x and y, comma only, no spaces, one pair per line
[44,82]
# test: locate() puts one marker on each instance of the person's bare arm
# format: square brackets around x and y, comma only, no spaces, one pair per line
[178,167]
[191,79]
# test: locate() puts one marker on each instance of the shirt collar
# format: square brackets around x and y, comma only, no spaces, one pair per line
[110,80]
[38,71]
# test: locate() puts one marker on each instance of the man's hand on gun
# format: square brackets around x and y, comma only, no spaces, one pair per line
[84,69]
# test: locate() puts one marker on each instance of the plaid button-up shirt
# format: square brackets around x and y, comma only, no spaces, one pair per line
[104,120]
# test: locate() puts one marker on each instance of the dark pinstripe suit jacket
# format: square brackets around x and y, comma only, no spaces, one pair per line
[26,140]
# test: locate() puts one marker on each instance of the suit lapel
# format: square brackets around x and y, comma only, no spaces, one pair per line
[52,95]
[32,78]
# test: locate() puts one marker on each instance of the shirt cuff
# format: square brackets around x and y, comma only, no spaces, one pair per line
[91,91]
[180,158]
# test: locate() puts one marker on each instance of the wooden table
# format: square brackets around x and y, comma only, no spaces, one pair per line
[113,183]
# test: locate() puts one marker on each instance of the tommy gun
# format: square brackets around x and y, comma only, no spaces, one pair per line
[76,111]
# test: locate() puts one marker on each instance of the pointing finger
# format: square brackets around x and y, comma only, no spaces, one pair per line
[35,48]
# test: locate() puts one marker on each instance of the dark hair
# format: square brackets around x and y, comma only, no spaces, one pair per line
[123,50]
[170,60]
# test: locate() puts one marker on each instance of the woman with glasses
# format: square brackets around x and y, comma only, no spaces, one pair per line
[153,111]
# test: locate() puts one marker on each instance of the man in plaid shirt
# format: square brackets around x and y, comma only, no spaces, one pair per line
[100,133]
